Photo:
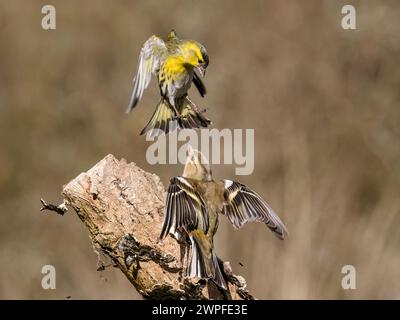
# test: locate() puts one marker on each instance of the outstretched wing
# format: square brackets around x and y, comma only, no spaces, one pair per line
[184,208]
[243,205]
[151,55]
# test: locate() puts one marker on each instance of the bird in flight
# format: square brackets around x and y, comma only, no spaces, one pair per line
[176,63]
[193,204]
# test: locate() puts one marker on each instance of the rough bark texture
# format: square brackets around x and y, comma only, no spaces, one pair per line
[122,207]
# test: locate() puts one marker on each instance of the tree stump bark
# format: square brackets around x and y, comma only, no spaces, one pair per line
[122,207]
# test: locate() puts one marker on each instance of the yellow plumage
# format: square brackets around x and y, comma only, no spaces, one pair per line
[176,63]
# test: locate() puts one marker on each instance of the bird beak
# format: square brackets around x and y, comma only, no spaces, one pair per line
[190,150]
[201,70]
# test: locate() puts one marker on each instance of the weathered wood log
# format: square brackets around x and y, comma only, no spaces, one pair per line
[122,207]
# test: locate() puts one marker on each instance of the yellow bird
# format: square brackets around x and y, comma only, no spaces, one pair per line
[176,64]
[194,202]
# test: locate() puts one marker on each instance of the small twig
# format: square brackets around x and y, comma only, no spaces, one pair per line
[60,209]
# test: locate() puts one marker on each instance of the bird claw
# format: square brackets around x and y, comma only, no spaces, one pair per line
[197,109]
[177,114]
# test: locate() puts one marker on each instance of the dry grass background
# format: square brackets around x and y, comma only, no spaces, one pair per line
[324,104]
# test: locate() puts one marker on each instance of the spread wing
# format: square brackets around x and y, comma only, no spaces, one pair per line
[243,205]
[184,208]
[151,55]
[199,84]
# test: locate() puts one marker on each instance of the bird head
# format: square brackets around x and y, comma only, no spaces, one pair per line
[195,56]
[172,35]
[197,166]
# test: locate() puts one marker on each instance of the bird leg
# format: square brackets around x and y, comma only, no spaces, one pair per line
[172,105]
[194,106]
[177,113]
[187,256]
[184,246]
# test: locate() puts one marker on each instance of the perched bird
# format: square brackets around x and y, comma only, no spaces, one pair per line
[176,64]
[193,204]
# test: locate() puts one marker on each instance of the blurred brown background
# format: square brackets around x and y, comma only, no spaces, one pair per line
[324,103]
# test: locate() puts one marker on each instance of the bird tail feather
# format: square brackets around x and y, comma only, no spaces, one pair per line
[165,120]
[202,266]
[162,119]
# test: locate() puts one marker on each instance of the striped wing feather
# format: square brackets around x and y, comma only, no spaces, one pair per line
[243,205]
[184,208]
